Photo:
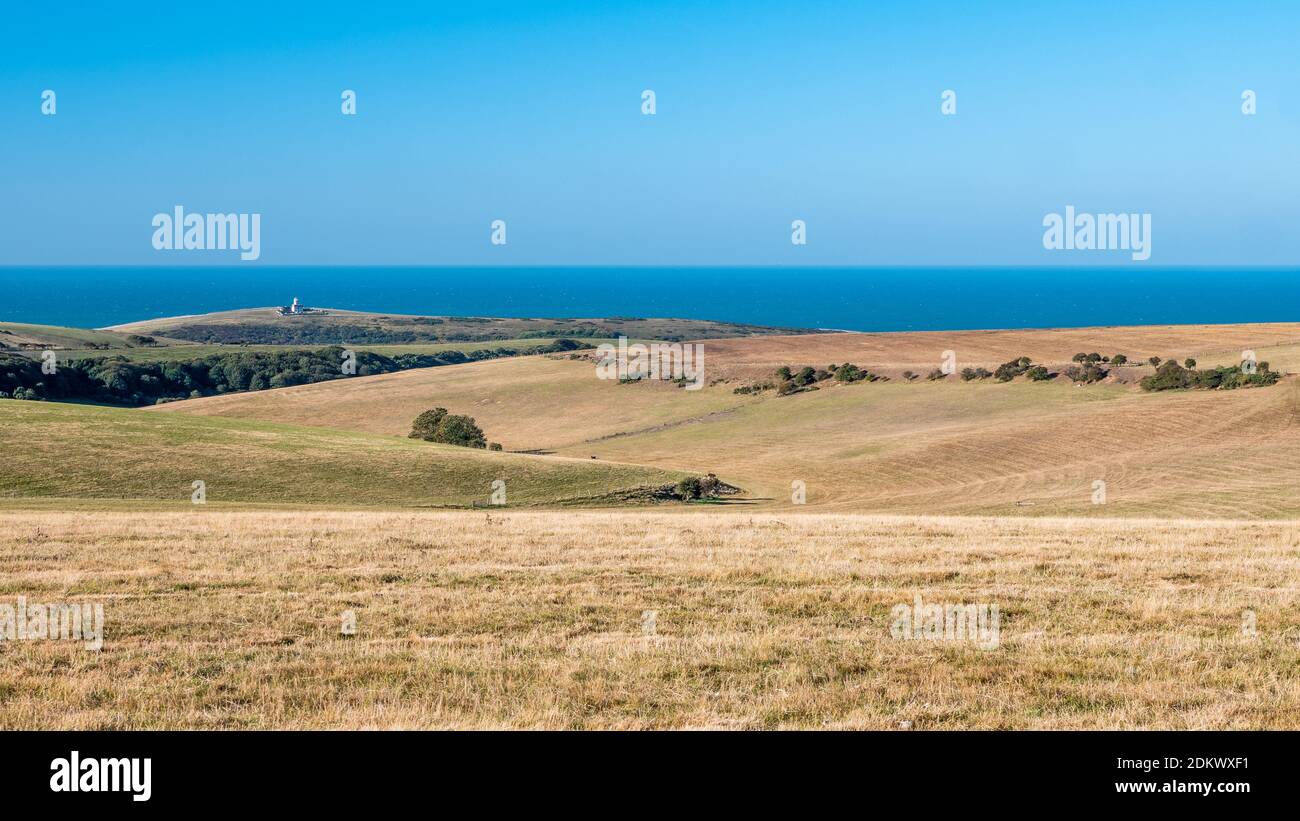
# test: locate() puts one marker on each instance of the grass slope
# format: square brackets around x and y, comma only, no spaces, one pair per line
[219,619]
[538,403]
[86,452]
[264,325]
[191,351]
[14,335]
[928,447]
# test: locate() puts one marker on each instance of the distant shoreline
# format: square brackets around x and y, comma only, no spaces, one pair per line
[868,300]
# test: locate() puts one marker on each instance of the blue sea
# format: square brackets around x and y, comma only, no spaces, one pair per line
[860,299]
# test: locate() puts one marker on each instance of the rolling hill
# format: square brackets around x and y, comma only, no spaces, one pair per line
[86,452]
[333,326]
[19,336]
[943,447]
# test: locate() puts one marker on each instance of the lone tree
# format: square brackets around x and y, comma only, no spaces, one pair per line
[1189,363]
[438,425]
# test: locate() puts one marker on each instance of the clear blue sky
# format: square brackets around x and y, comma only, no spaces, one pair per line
[767,112]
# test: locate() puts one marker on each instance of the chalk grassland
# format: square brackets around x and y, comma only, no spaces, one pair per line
[535,403]
[61,451]
[922,349]
[948,447]
[265,325]
[13,335]
[190,351]
[535,619]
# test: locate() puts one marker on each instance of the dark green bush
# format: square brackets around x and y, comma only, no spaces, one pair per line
[1086,374]
[120,381]
[438,425]
[1172,376]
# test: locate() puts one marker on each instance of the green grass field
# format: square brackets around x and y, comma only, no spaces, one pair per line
[265,325]
[12,334]
[89,452]
[186,353]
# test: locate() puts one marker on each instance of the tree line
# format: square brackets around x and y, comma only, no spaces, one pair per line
[120,381]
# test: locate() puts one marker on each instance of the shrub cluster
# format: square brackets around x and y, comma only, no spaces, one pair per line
[1010,370]
[1007,371]
[699,487]
[1086,373]
[1171,375]
[438,425]
[807,377]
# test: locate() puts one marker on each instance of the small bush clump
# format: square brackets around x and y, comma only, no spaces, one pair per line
[701,487]
[438,425]
[807,377]
[1086,374]
[1010,370]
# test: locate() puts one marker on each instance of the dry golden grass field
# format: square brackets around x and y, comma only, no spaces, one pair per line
[1173,604]
[537,619]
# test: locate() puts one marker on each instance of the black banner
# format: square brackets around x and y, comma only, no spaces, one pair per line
[303,770]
